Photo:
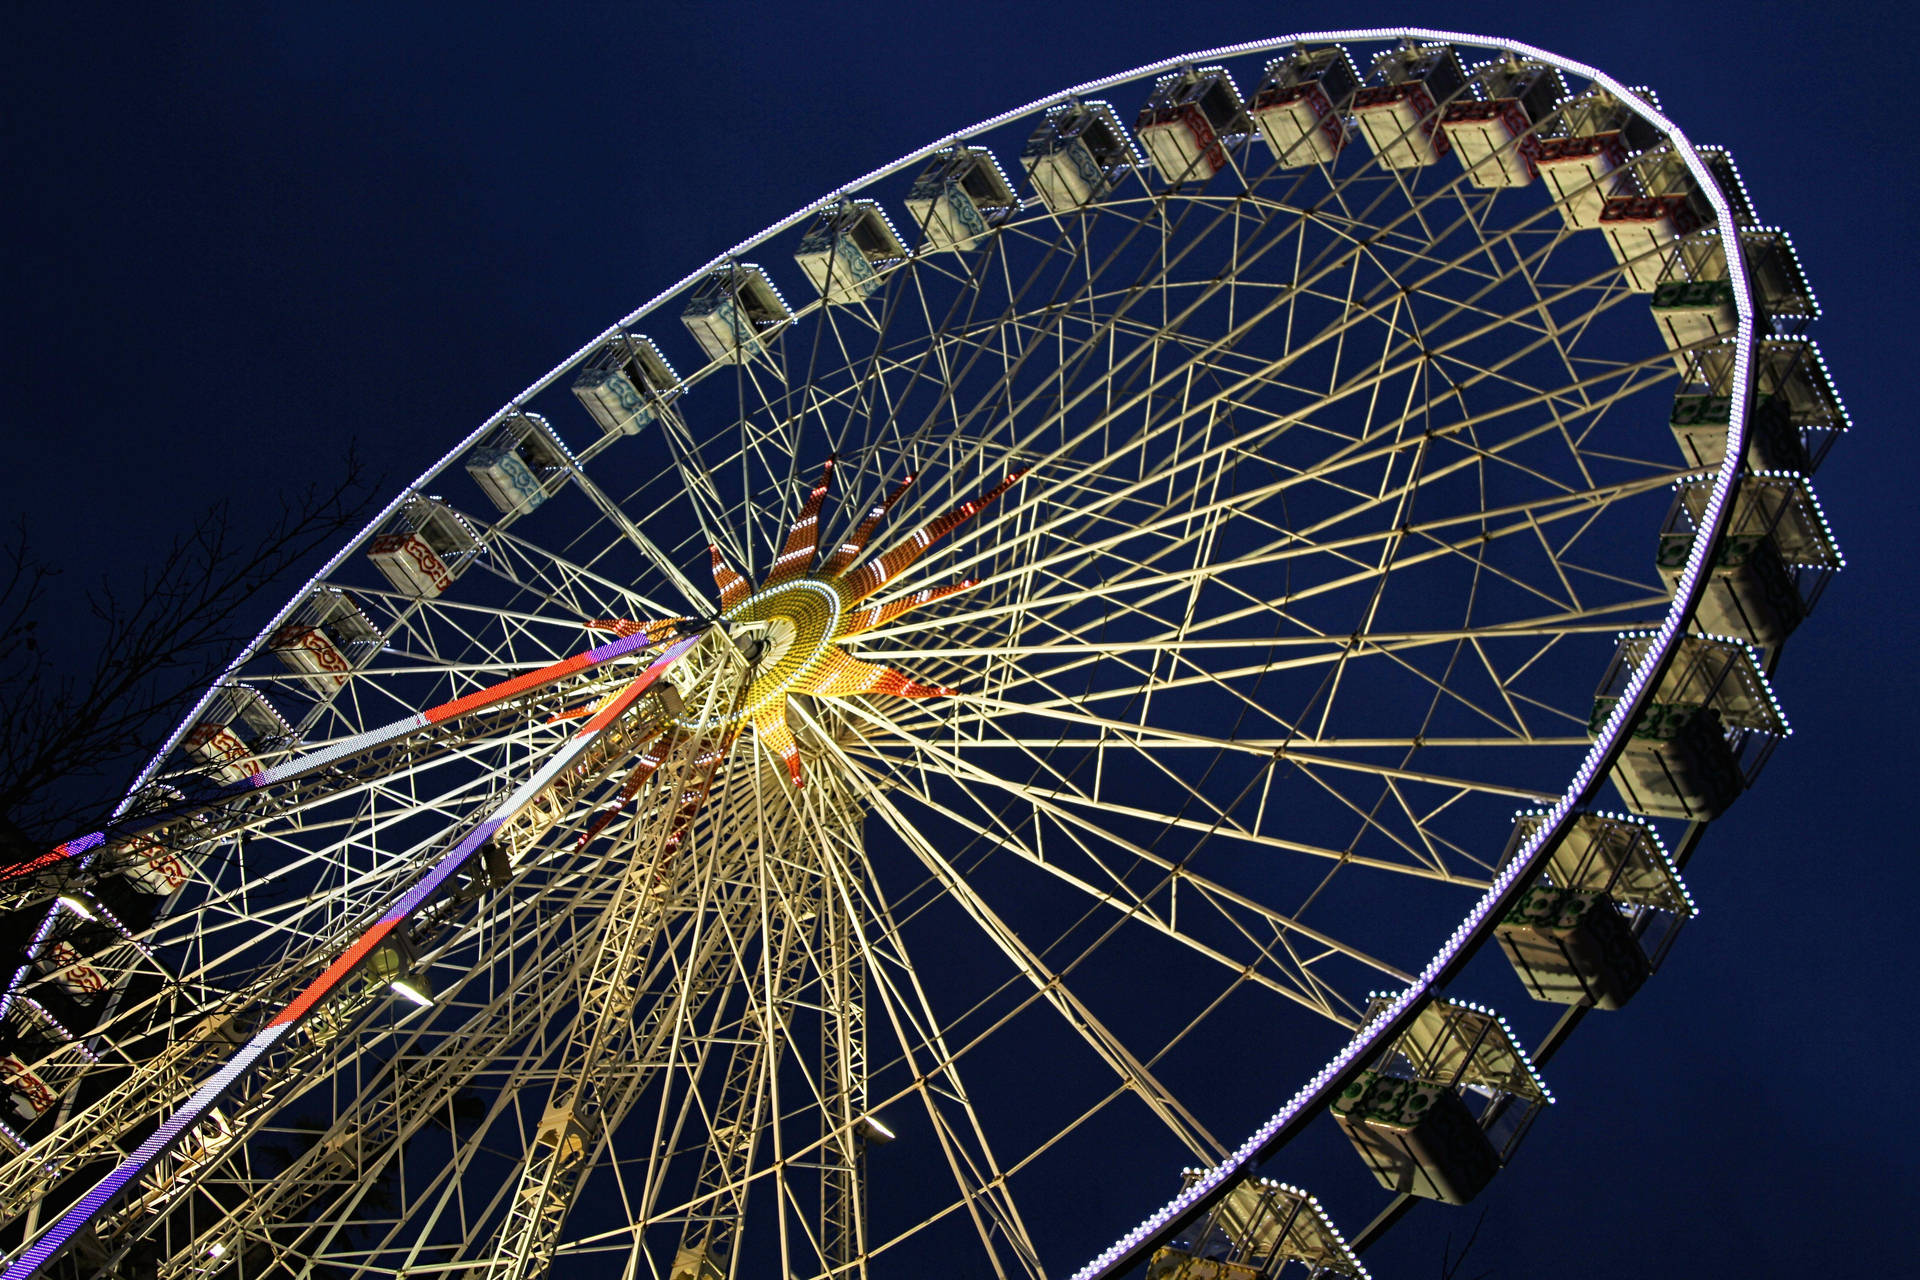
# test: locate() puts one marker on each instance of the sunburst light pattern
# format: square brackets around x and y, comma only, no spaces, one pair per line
[799,617]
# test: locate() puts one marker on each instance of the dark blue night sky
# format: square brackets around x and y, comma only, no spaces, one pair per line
[235,240]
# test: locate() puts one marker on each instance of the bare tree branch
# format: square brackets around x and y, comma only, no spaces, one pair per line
[1450,1262]
[65,736]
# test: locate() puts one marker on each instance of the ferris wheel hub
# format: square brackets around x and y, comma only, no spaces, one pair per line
[794,625]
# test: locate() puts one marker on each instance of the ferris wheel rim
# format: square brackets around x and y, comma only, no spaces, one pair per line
[1588,776]
[1634,100]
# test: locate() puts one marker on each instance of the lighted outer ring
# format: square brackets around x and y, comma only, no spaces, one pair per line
[1587,779]
[1314,1096]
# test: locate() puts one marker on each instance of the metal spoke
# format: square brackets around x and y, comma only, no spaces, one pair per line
[1201,574]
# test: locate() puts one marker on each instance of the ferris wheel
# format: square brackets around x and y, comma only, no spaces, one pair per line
[861,784]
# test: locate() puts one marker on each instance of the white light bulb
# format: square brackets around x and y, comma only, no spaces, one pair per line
[405,987]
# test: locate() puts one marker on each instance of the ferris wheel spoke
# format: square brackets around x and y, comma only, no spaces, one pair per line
[929,1062]
[1003,517]
[262,1061]
[588,1102]
[691,1031]
[750,1058]
[583,591]
[154,1089]
[1048,1142]
[692,475]
[565,587]
[368,1135]
[1338,329]
[870,398]
[1073,644]
[1073,810]
[1277,489]
[1562,345]
[428,628]
[1525,519]
[1048,984]
[1088,346]
[1061,805]
[1070,708]
[593,899]
[690,596]
[789,965]
[716,1215]
[1061,800]
[257,901]
[1012,687]
[1274,964]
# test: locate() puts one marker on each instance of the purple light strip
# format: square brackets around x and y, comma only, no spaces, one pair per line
[56,1237]
[84,846]
[334,752]
[95,1202]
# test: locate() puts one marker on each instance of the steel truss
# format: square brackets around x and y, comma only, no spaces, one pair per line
[1338,483]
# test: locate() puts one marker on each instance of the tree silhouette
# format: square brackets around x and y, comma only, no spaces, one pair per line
[68,728]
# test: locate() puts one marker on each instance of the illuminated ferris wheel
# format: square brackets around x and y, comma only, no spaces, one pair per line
[1198,557]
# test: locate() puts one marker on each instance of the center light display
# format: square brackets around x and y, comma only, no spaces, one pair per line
[796,621]
[801,618]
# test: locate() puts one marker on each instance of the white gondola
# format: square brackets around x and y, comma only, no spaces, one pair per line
[1643,226]
[30,1094]
[1602,914]
[153,867]
[958,198]
[160,860]
[1780,287]
[1691,313]
[1399,109]
[39,1060]
[1497,137]
[1769,569]
[1301,103]
[1253,1231]
[1585,164]
[1188,121]
[1782,297]
[1571,946]
[325,640]
[1582,172]
[847,248]
[1076,153]
[424,547]
[1792,370]
[625,384]
[1439,1111]
[1704,737]
[521,464]
[1642,230]
[1700,423]
[238,728]
[86,963]
[1795,416]
[733,312]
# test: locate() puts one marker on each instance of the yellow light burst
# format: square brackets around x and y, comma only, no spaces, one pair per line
[800,617]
